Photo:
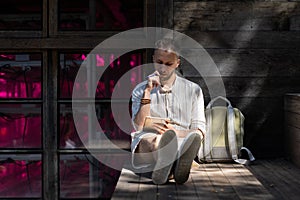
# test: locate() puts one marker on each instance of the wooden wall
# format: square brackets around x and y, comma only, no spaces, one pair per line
[256,46]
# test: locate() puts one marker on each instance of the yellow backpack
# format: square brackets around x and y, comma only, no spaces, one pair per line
[224,134]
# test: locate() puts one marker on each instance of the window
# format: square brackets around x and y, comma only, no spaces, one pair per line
[21,125]
[41,153]
[100,15]
[21,15]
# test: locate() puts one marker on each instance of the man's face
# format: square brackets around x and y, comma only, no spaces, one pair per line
[165,63]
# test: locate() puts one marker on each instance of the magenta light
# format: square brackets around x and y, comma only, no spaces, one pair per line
[100,61]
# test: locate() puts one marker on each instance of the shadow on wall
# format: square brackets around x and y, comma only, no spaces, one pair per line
[254,45]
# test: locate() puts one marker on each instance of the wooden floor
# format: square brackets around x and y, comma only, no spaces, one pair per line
[265,179]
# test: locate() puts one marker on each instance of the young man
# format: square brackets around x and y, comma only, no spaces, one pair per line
[171,144]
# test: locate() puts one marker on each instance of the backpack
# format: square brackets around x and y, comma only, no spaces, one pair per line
[224,134]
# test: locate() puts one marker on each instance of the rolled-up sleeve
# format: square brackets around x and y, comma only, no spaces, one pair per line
[136,97]
[198,113]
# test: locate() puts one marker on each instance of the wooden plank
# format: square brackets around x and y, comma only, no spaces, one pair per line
[249,62]
[293,119]
[164,13]
[292,102]
[167,191]
[292,143]
[244,188]
[283,170]
[127,186]
[147,190]
[251,86]
[209,40]
[222,186]
[245,39]
[187,191]
[290,185]
[252,182]
[241,15]
[202,183]
[268,178]
[295,23]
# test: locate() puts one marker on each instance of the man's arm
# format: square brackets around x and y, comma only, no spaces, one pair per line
[143,111]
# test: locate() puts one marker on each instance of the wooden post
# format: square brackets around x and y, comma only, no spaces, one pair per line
[292,127]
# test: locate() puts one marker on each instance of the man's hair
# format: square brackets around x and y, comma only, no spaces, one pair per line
[167,44]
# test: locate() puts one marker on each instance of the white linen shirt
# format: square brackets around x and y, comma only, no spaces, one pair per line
[183,105]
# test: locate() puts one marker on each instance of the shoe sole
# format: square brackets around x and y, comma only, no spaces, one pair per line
[184,162]
[166,157]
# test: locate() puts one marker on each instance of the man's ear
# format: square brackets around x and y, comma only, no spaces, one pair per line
[178,62]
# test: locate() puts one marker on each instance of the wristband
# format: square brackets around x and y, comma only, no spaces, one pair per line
[145,101]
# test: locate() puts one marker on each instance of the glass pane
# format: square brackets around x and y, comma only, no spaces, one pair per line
[20,126]
[70,63]
[100,14]
[21,15]
[69,137]
[20,175]
[83,176]
[20,76]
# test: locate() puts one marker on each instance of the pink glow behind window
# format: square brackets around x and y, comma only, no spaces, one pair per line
[70,63]
[21,15]
[20,126]
[20,76]
[100,15]
[20,178]
[69,138]
[76,180]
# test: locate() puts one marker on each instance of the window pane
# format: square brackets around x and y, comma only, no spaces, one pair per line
[20,76]
[70,63]
[100,14]
[20,175]
[69,137]
[83,176]
[20,126]
[21,15]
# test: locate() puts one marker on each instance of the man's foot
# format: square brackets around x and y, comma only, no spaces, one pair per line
[166,155]
[186,155]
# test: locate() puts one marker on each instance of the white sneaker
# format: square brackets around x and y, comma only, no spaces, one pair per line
[187,152]
[166,155]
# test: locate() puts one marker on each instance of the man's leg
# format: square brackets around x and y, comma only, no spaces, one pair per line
[166,155]
[147,144]
[187,152]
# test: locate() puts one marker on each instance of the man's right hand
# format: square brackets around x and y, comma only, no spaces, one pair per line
[153,81]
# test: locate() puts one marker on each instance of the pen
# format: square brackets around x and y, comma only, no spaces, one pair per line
[152,75]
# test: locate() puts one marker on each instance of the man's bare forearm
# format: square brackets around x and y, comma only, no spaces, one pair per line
[143,111]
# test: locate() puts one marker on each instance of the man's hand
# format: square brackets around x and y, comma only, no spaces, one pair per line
[162,127]
[153,80]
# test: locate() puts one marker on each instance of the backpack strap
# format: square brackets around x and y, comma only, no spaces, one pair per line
[231,134]
[207,145]
[232,140]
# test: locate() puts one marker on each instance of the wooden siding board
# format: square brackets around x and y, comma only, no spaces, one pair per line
[249,62]
[245,39]
[238,15]
[208,39]
[264,87]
